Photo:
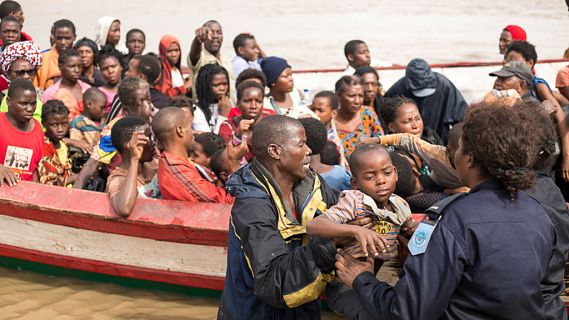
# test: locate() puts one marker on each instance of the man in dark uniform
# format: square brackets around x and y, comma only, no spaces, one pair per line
[274,270]
[482,255]
[440,103]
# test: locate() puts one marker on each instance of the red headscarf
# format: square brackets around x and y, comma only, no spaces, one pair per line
[518,33]
[165,85]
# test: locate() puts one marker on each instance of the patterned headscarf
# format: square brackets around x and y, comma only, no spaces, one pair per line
[25,50]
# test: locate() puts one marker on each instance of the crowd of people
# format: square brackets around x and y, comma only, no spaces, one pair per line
[323,187]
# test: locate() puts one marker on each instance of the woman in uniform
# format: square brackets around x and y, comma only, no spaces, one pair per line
[482,254]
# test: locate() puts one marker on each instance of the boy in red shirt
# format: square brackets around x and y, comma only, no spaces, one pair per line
[22,137]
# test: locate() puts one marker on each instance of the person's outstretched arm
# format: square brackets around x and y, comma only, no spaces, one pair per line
[203,34]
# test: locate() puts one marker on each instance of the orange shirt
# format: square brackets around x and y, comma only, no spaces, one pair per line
[179,179]
[49,69]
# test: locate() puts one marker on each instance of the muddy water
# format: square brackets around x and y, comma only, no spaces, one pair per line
[33,296]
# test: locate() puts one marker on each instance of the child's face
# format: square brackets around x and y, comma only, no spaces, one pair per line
[251,103]
[321,106]
[56,126]
[198,155]
[96,108]
[71,69]
[250,50]
[219,85]
[376,176]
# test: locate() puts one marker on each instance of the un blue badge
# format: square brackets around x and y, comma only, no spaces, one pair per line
[421,238]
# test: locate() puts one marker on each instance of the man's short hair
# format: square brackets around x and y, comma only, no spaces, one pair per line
[122,131]
[7,19]
[18,85]
[350,47]
[240,40]
[63,23]
[149,66]
[133,31]
[8,7]
[272,130]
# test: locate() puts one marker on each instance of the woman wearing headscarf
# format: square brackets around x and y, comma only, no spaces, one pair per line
[89,53]
[510,34]
[108,32]
[283,97]
[172,82]
[19,60]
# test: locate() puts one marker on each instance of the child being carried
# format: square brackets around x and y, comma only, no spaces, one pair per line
[374,179]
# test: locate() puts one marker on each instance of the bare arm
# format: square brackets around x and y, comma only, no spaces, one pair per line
[88,170]
[561,98]
[565,92]
[203,34]
[124,201]
[369,240]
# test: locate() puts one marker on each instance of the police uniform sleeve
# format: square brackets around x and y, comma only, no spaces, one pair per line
[424,290]
[282,277]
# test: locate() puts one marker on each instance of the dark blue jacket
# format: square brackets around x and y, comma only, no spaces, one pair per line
[552,286]
[485,260]
[274,270]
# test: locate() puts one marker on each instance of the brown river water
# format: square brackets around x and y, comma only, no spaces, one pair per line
[310,34]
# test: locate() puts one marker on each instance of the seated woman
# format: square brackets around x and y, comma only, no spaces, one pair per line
[213,105]
[250,103]
[111,70]
[172,82]
[283,98]
[89,53]
[373,92]
[355,123]
[133,178]
[401,115]
[69,89]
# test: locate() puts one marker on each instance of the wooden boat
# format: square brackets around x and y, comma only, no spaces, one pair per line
[62,230]
[167,242]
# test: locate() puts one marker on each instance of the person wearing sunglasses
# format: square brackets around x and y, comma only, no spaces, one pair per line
[19,60]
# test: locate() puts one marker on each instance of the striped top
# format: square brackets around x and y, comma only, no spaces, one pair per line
[85,129]
[354,204]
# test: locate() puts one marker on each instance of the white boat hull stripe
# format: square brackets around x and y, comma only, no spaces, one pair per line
[113,248]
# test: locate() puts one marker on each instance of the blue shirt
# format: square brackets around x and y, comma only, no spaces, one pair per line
[239,64]
[338,178]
